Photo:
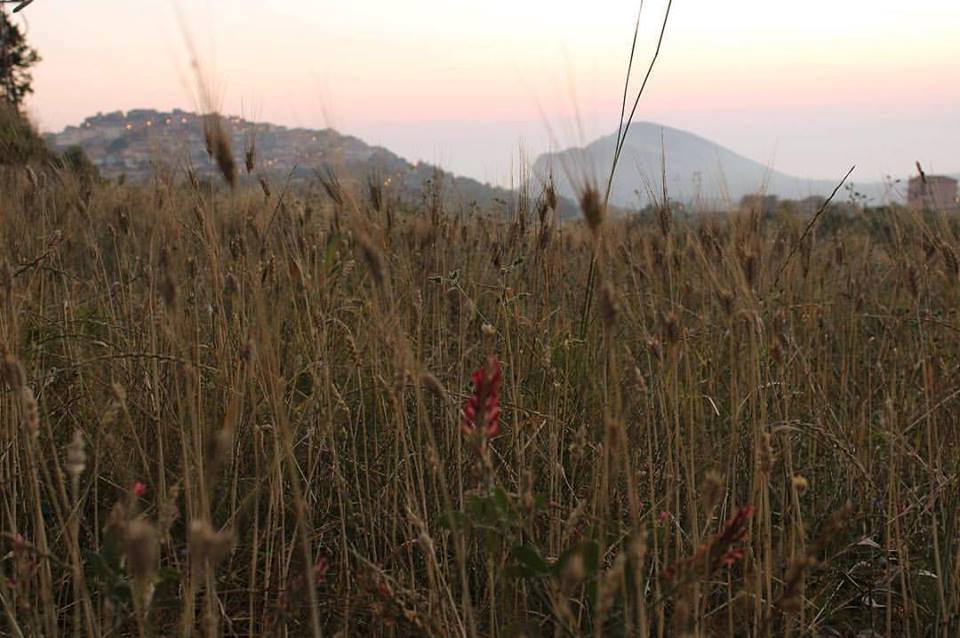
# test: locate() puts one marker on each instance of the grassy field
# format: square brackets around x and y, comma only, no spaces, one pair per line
[292,414]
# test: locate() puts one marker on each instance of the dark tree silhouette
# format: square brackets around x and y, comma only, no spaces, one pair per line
[16,58]
[20,3]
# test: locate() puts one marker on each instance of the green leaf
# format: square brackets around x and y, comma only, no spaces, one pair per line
[97,566]
[330,253]
[453,520]
[502,503]
[491,541]
[304,384]
[529,561]
[169,575]
[481,511]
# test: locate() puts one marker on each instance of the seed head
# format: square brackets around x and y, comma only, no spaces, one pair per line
[230,285]
[433,385]
[592,207]
[168,290]
[726,301]
[219,148]
[800,484]
[550,195]
[6,277]
[608,306]
[31,415]
[250,156]
[574,570]
[206,544]
[950,260]
[13,372]
[374,259]
[76,456]
[712,489]
[140,545]
[671,329]
[765,454]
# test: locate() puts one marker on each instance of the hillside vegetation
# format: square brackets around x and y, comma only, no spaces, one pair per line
[141,143]
[287,412]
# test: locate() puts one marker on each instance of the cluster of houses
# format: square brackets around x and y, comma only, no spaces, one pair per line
[133,142]
[924,192]
[933,192]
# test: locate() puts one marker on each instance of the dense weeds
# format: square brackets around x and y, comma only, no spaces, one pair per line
[238,413]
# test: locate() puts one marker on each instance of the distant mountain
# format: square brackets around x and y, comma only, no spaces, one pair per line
[140,142]
[697,171]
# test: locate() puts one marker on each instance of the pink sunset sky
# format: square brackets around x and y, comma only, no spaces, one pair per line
[807,87]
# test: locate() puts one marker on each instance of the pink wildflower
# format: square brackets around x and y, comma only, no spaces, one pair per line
[482,410]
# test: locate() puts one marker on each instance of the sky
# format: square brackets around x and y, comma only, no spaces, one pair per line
[483,87]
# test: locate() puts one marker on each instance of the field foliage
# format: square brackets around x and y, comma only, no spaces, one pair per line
[241,413]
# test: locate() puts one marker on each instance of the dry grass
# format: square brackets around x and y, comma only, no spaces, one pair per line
[239,414]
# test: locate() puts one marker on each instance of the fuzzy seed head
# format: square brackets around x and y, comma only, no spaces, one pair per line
[208,545]
[373,259]
[671,329]
[141,548]
[765,454]
[800,484]
[219,147]
[550,195]
[76,456]
[31,414]
[608,306]
[13,373]
[712,489]
[433,385]
[592,207]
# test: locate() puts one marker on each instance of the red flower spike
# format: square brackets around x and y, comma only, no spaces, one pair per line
[482,410]
[320,570]
[722,550]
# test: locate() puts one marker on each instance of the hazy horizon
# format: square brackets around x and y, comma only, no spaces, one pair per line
[808,90]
